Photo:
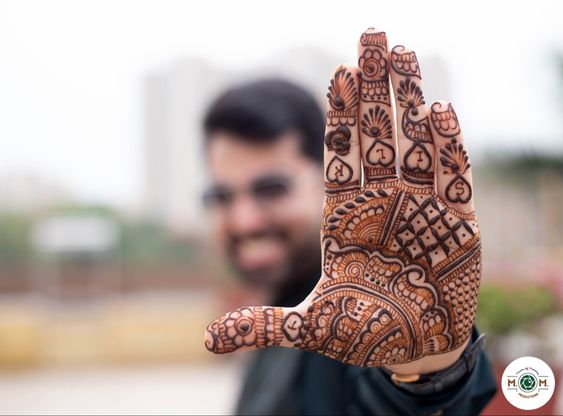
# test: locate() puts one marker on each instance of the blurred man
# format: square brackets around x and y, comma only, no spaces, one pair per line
[265,151]
[266,164]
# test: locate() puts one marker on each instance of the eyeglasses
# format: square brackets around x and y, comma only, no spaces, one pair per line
[264,190]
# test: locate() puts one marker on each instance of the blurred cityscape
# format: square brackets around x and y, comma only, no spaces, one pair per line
[84,286]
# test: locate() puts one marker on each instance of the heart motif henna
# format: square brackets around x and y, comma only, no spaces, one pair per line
[380,154]
[338,171]
[417,158]
[459,190]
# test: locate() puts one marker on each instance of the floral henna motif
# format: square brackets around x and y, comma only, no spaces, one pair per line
[374,86]
[339,140]
[373,63]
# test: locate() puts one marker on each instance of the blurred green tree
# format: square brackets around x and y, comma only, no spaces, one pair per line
[503,308]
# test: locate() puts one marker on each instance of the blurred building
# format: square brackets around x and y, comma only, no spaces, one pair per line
[175,99]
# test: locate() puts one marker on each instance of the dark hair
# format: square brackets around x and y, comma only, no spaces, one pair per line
[261,111]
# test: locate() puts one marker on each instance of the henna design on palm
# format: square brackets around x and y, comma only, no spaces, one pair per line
[401,260]
[400,278]
[390,258]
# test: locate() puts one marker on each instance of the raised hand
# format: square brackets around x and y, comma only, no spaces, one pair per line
[401,249]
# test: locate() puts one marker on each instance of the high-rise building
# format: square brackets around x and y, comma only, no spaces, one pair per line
[175,99]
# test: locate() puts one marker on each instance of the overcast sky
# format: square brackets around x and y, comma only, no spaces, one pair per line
[71,72]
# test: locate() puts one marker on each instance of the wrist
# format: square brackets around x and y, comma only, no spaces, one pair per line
[428,364]
[444,379]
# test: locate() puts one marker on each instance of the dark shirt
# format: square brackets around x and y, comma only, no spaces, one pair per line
[284,381]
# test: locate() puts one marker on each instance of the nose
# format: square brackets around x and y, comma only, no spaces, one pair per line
[245,216]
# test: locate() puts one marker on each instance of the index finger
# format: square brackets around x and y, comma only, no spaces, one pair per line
[342,147]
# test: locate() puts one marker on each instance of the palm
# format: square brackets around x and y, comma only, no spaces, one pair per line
[388,293]
[401,256]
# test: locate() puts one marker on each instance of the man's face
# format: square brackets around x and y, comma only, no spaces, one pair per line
[266,207]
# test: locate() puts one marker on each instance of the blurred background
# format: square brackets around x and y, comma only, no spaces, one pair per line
[107,277]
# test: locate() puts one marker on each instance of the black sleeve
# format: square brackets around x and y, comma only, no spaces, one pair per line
[373,392]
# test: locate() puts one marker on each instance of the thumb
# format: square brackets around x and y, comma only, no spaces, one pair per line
[253,327]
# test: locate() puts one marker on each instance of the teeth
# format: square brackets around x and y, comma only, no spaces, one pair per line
[251,244]
[256,243]
[259,251]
